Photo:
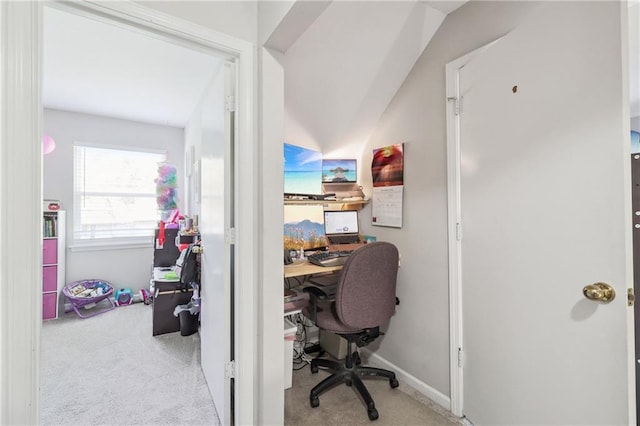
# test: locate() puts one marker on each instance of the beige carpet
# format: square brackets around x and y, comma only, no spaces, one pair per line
[110,370]
[342,405]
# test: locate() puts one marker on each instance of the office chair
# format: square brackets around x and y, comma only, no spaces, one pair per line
[365,299]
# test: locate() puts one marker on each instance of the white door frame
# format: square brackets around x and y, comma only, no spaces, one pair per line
[21,188]
[456,349]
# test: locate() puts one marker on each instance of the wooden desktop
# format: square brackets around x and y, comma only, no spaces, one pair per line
[303,267]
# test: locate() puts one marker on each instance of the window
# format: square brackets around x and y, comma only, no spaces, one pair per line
[114,195]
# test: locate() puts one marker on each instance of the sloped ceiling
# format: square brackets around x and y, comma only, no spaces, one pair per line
[343,71]
[98,68]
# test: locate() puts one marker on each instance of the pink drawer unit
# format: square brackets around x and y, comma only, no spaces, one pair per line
[50,278]
[50,251]
[49,301]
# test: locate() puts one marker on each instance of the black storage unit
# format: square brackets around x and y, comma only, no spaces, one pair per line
[166,297]
[168,254]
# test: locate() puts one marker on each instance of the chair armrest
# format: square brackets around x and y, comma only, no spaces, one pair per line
[315,293]
[315,296]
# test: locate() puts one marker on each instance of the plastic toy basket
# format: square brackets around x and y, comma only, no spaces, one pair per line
[88,293]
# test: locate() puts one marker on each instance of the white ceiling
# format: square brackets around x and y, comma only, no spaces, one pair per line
[345,69]
[444,6]
[98,68]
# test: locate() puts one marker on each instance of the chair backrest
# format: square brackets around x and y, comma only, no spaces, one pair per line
[366,293]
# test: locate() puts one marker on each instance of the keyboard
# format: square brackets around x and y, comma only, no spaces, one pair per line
[329,258]
[343,239]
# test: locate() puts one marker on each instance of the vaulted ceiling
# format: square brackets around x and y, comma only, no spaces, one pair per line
[98,68]
[342,72]
[344,61]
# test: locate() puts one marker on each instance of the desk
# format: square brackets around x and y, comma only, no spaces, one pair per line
[330,342]
[167,295]
[304,267]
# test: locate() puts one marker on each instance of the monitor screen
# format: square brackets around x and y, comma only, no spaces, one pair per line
[339,171]
[342,222]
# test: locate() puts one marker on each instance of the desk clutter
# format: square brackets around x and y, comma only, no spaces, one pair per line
[175,282]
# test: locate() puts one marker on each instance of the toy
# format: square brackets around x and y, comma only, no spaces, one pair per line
[123,296]
[87,294]
[145,296]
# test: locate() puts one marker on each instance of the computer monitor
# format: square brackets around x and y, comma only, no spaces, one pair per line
[340,222]
[339,171]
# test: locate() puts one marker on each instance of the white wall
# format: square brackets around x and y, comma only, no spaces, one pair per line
[122,267]
[418,337]
[271,286]
[634,57]
[635,124]
[193,142]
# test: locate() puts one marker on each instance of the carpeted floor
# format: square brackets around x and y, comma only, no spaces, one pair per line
[342,405]
[110,370]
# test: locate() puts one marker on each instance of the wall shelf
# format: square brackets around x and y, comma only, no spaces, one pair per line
[329,204]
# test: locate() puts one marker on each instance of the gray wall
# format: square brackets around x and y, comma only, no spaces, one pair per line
[129,267]
[418,335]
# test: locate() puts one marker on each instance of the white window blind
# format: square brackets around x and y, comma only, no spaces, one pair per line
[114,194]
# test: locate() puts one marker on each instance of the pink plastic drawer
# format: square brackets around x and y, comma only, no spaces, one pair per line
[50,252]
[50,278]
[49,302]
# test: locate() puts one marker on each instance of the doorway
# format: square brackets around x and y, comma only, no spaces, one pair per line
[524,334]
[23,101]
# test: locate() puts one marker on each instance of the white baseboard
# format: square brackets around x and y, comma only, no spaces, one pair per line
[407,379]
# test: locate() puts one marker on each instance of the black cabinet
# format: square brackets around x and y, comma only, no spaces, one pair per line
[168,253]
[167,296]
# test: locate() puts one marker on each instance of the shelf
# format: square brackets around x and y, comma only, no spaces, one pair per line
[353,204]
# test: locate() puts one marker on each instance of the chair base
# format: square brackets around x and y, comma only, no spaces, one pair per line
[351,374]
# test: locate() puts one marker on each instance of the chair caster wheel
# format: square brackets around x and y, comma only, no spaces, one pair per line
[373,414]
[348,382]
[394,383]
[314,368]
[314,401]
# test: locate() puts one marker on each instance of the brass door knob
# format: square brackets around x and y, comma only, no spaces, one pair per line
[601,292]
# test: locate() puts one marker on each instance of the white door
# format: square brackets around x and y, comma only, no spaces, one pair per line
[216,211]
[544,196]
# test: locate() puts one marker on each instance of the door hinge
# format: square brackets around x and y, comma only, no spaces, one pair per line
[459,231]
[460,357]
[230,103]
[230,370]
[631,297]
[457,106]
[230,236]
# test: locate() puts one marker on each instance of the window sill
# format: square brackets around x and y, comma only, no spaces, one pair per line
[110,245]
